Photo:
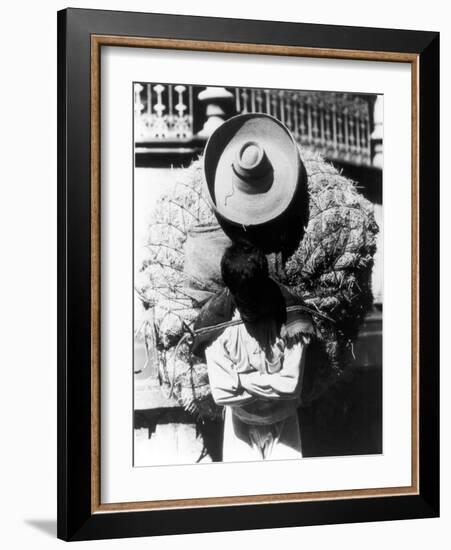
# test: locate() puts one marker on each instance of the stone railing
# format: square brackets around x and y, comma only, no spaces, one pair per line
[163,112]
[342,126]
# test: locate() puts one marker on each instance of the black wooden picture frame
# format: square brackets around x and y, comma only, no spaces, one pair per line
[80,516]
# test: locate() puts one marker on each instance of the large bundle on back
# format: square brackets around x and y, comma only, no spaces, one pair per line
[329,271]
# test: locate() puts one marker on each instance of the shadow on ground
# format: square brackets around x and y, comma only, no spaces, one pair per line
[46,526]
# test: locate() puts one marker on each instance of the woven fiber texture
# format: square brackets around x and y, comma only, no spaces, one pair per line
[331,269]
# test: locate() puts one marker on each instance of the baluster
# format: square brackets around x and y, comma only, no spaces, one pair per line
[139,126]
[159,105]
[363,135]
[159,128]
[322,131]
[365,139]
[303,130]
[253,100]
[138,103]
[340,132]
[357,137]
[281,97]
[268,105]
[345,130]
[289,111]
[377,134]
[295,115]
[351,133]
[180,107]
[334,130]
[259,99]
[180,127]
[237,100]
[314,118]
[328,132]
[308,106]
[244,96]
[274,104]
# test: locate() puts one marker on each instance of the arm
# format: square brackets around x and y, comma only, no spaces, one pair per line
[285,384]
[224,381]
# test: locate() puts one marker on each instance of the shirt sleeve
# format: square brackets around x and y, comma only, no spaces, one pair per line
[285,384]
[224,380]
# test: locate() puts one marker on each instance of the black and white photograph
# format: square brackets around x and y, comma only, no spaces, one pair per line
[224,291]
[258,274]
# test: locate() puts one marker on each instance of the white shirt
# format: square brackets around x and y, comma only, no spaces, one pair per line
[257,371]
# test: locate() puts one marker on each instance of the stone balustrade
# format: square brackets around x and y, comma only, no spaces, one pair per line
[341,126]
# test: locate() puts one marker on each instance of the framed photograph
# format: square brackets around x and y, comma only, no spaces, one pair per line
[248,274]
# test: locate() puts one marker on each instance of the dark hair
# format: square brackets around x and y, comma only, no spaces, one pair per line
[245,273]
[243,266]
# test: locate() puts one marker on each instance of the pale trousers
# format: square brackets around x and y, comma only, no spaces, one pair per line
[250,442]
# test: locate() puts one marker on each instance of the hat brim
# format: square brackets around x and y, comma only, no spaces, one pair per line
[229,201]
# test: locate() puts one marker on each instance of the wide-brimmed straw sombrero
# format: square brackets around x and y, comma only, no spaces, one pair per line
[253,170]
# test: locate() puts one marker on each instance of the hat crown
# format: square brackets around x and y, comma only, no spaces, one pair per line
[251,167]
[250,155]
